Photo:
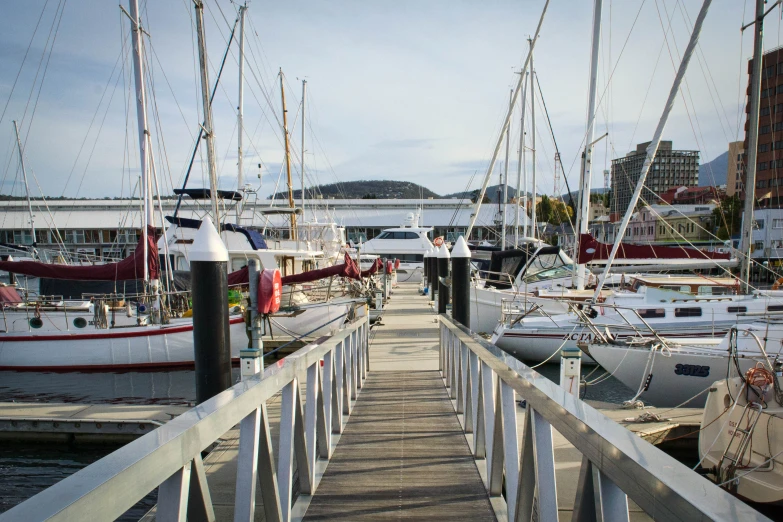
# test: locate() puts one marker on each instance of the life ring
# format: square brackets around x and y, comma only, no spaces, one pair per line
[438,241]
[777,284]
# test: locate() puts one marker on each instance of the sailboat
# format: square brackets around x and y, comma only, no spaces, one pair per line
[128,331]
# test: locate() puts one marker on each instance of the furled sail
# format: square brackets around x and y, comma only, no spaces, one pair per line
[591,250]
[131,267]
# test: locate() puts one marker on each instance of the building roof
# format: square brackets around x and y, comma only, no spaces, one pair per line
[369,213]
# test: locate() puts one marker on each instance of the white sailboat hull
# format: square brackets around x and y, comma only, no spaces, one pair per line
[718,431]
[676,377]
[139,347]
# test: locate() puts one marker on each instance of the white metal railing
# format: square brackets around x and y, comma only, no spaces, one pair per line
[169,458]
[616,465]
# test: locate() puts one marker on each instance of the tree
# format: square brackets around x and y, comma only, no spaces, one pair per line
[474,196]
[728,217]
[544,210]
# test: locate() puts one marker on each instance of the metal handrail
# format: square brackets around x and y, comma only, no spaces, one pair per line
[616,463]
[169,458]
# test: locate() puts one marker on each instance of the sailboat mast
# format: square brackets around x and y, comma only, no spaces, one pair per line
[521,172]
[586,177]
[288,157]
[141,116]
[26,186]
[753,138]
[240,106]
[506,123]
[505,178]
[207,108]
[304,97]
[534,220]
[652,148]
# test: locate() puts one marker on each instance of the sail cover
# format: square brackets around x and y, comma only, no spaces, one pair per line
[590,249]
[347,269]
[374,268]
[131,267]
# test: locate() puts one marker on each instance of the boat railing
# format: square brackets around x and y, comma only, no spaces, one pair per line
[616,464]
[504,277]
[169,459]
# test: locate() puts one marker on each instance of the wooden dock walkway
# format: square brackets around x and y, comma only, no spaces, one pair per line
[403,454]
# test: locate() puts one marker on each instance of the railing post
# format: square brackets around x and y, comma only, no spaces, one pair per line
[313,412]
[200,502]
[473,423]
[254,461]
[354,365]
[339,378]
[488,406]
[328,401]
[537,465]
[508,406]
[173,496]
[455,370]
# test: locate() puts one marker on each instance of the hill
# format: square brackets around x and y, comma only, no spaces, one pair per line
[714,172]
[365,189]
[492,193]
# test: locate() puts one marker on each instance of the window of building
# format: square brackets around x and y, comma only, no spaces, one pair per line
[764,147]
[766,92]
[779,89]
[762,183]
[763,165]
[780,68]
[764,129]
[764,111]
[23,237]
[758,245]
[768,72]
[777,223]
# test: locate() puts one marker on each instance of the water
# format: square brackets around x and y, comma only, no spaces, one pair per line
[26,469]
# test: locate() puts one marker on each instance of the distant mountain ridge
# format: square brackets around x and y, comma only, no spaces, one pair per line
[364,189]
[714,172]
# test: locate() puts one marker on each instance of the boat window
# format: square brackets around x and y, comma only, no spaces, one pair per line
[775,308]
[238,262]
[398,235]
[736,309]
[182,263]
[676,288]
[714,290]
[552,273]
[691,311]
[652,313]
[541,263]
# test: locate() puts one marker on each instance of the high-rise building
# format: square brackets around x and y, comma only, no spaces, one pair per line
[671,168]
[736,168]
[769,161]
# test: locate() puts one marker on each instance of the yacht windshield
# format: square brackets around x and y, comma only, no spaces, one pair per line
[547,266]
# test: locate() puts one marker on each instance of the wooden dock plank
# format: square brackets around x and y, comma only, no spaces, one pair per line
[402,455]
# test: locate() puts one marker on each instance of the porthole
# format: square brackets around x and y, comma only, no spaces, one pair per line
[80,322]
[36,322]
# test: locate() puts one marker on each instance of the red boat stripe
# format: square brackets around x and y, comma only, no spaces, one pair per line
[78,336]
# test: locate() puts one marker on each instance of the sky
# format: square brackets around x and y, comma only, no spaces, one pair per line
[404,90]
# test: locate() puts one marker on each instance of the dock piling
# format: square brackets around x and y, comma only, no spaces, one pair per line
[443,274]
[211,343]
[460,282]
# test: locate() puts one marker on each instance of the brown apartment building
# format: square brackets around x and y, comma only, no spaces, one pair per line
[769,169]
